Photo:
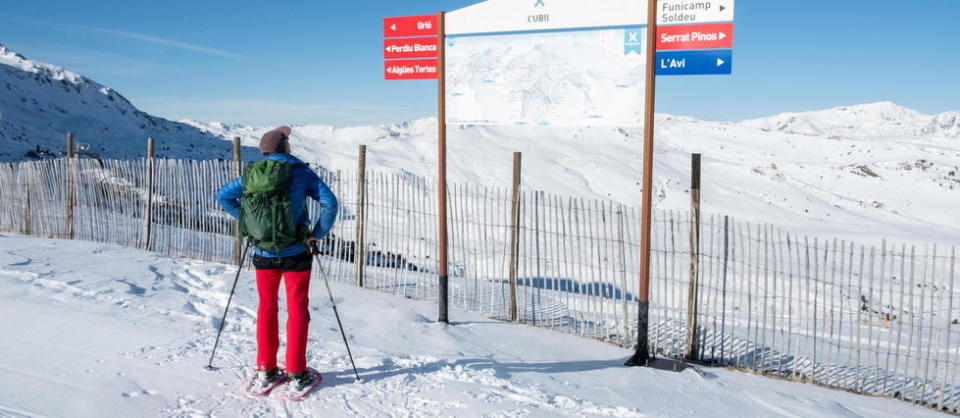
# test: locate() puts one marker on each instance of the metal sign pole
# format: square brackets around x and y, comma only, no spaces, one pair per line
[442,167]
[642,355]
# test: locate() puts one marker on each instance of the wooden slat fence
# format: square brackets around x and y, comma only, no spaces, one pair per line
[880,320]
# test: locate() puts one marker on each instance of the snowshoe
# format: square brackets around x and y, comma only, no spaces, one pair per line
[264,381]
[301,384]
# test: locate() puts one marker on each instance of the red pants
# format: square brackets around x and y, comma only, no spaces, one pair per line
[298,319]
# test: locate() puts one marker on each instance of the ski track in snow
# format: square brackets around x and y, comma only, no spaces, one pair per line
[118,331]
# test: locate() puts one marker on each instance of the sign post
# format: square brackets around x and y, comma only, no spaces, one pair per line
[442,168]
[642,355]
[414,50]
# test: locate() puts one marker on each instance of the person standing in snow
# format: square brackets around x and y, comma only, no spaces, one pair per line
[270,200]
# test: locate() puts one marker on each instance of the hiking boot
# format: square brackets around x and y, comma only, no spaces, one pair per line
[302,381]
[265,379]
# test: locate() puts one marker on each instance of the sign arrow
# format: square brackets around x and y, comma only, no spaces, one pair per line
[418,69]
[705,36]
[409,48]
[408,26]
[687,12]
[695,62]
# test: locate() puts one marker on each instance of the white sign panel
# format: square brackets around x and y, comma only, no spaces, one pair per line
[565,78]
[534,15]
[673,12]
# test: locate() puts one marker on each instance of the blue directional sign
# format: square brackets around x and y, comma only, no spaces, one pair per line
[695,62]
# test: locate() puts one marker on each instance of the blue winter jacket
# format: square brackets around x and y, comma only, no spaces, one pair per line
[304,183]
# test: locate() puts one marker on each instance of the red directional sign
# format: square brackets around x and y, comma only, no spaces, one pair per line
[419,38]
[412,69]
[709,36]
[428,25]
[406,48]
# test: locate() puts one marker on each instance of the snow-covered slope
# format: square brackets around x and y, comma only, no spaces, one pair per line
[869,120]
[131,340]
[945,124]
[40,102]
[873,176]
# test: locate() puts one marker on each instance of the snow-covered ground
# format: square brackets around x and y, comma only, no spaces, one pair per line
[99,330]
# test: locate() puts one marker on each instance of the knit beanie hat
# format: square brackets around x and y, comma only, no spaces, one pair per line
[275,141]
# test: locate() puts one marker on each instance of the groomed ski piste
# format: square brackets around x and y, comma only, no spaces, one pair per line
[94,330]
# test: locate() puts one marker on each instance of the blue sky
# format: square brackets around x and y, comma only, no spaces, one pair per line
[300,62]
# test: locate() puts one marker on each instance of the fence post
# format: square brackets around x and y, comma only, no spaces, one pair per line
[694,291]
[148,209]
[514,235]
[723,308]
[237,169]
[623,272]
[359,247]
[69,188]
[27,219]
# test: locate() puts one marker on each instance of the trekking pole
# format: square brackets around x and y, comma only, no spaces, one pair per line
[316,255]
[227,309]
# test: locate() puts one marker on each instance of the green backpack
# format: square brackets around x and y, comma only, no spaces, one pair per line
[266,215]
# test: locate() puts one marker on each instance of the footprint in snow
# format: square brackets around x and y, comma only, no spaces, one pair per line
[146,392]
[133,288]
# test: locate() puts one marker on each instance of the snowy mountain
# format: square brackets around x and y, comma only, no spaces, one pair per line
[40,102]
[131,340]
[859,172]
[883,118]
[945,125]
[848,183]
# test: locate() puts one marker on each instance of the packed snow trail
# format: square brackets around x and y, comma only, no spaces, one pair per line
[99,330]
